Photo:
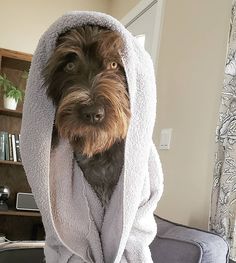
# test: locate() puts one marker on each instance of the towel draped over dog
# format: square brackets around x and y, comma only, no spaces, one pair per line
[76,228]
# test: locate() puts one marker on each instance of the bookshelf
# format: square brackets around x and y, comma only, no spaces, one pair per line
[13,113]
[15,224]
[20,213]
[2,162]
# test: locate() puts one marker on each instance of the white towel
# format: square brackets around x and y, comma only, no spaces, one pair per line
[71,212]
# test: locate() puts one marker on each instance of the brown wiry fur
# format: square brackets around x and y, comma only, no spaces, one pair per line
[93,82]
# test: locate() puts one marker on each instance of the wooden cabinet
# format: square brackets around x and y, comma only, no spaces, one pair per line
[16,225]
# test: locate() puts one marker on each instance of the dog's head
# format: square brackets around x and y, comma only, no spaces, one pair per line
[86,80]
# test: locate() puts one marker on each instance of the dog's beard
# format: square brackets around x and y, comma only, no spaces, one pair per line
[87,138]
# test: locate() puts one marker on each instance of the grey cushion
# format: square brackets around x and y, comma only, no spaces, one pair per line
[22,252]
[175,243]
[22,255]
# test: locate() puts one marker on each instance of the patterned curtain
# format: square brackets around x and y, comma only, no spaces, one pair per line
[223,208]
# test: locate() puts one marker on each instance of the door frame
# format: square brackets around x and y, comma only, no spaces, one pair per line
[140,9]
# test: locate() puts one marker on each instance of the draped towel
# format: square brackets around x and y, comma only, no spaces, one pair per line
[71,212]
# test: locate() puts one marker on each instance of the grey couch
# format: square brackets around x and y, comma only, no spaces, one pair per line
[22,252]
[173,244]
[176,243]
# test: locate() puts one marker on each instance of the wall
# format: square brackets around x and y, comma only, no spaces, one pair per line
[119,8]
[190,77]
[23,22]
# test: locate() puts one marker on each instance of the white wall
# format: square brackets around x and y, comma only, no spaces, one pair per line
[23,22]
[190,77]
[119,8]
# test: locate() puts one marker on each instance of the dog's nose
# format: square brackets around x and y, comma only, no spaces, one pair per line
[93,114]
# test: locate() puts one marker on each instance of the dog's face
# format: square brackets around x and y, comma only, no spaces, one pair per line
[86,81]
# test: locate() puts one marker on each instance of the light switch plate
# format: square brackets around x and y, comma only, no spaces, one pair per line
[165,139]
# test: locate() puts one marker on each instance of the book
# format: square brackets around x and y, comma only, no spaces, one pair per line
[17,139]
[14,147]
[2,146]
[10,147]
[6,146]
[20,145]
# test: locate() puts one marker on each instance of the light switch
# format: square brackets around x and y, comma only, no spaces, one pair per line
[165,139]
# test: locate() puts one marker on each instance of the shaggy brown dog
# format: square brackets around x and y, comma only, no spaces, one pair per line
[86,81]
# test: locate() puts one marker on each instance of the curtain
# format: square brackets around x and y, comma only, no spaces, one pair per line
[223,207]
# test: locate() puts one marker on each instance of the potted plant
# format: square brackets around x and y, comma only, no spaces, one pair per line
[12,94]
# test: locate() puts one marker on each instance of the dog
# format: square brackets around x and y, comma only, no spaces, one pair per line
[86,81]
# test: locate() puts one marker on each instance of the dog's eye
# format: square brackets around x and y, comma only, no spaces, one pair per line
[70,67]
[113,65]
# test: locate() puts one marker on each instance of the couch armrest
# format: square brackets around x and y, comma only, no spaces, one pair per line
[176,243]
[22,251]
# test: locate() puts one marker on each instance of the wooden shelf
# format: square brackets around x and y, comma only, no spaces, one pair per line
[20,213]
[10,163]
[17,224]
[13,113]
[15,54]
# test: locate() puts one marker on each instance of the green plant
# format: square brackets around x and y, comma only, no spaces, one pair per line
[5,83]
[14,93]
[9,89]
